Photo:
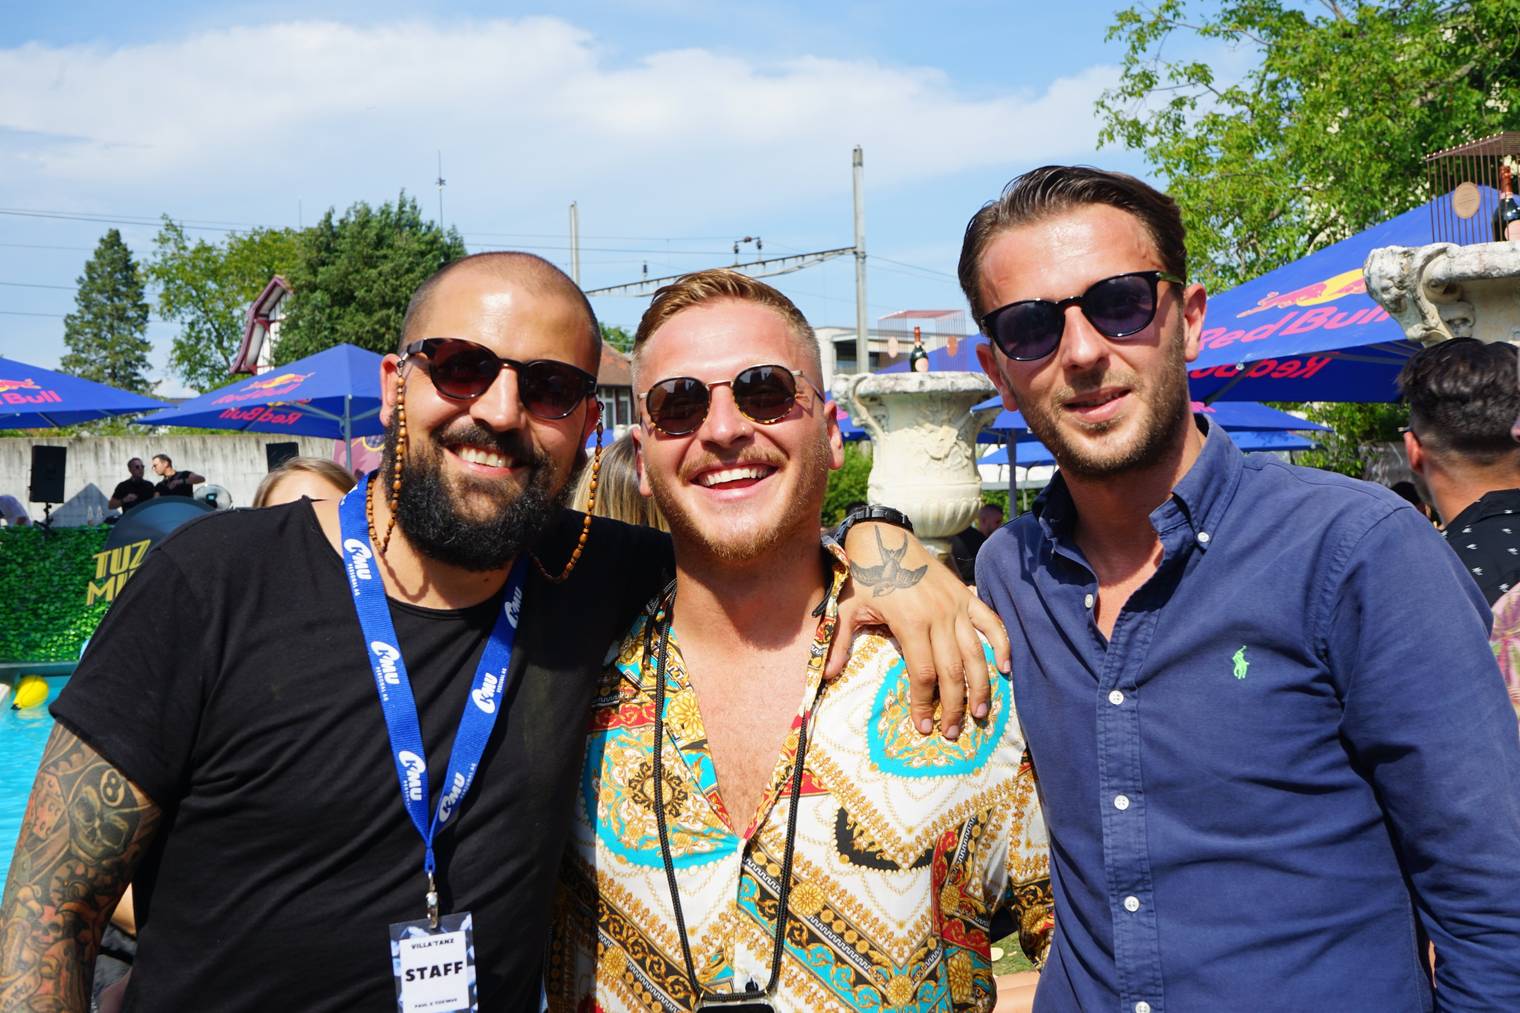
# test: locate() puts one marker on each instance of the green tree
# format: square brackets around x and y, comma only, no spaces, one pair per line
[618,337]
[847,485]
[206,288]
[1324,133]
[355,273]
[1352,428]
[107,332]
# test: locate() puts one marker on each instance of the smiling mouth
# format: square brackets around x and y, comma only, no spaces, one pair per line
[1095,400]
[728,476]
[486,456]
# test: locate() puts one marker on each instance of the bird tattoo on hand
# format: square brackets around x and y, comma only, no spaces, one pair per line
[890,575]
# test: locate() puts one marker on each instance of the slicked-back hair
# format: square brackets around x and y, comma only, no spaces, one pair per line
[1464,397]
[1054,189]
[514,265]
[718,285]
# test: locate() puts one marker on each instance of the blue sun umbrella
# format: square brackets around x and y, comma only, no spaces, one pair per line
[35,398]
[334,393]
[1230,415]
[1033,454]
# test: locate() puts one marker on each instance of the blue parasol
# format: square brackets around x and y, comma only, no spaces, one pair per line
[1032,453]
[334,393]
[34,398]
[1230,415]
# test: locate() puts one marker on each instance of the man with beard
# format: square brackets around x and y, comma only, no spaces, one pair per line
[1273,747]
[746,832]
[436,636]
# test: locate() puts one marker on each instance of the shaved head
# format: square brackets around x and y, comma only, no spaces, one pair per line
[523,270]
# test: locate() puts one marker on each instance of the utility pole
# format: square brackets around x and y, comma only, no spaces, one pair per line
[575,243]
[862,325]
[440,181]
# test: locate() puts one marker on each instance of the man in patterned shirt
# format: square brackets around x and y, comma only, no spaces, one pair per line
[778,806]
[1464,397]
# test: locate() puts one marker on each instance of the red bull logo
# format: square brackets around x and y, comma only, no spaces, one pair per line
[264,386]
[11,392]
[261,413]
[1346,283]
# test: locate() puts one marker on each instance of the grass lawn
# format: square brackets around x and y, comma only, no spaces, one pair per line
[1013,959]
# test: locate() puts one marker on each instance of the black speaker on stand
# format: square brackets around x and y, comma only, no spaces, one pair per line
[278,453]
[46,484]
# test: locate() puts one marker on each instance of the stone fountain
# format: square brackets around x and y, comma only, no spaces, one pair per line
[1444,290]
[923,431]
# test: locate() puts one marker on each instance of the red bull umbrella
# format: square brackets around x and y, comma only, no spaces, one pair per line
[334,393]
[35,398]
[1309,331]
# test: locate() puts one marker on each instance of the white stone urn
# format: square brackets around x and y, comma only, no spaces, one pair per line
[1446,291]
[923,433]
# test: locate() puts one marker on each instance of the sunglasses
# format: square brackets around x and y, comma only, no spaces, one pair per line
[765,394]
[463,370]
[1116,307]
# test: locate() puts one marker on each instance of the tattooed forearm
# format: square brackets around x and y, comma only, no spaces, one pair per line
[85,828]
[890,575]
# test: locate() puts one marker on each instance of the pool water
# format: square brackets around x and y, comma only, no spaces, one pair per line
[22,736]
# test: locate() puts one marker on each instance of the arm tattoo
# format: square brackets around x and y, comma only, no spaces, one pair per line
[86,827]
[890,575]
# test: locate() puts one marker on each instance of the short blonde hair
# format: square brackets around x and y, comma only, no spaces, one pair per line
[717,285]
[332,471]
[617,489]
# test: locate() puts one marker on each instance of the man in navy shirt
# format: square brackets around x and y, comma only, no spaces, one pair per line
[1274,748]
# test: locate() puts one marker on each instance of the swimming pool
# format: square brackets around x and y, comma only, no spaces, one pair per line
[22,736]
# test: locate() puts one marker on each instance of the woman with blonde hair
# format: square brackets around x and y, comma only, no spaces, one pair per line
[311,477]
[617,488]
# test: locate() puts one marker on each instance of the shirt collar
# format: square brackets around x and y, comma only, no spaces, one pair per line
[1489,504]
[1200,499]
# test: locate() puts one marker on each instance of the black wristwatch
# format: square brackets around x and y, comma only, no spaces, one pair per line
[885,514]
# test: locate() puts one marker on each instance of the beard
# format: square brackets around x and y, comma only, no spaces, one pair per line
[733,544]
[430,508]
[1166,403]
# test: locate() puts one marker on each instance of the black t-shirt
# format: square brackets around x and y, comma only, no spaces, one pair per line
[176,484]
[229,680]
[139,487]
[1486,537]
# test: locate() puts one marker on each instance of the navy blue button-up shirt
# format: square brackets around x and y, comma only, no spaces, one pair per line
[1295,746]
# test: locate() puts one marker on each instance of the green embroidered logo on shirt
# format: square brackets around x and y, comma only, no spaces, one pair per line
[1241,664]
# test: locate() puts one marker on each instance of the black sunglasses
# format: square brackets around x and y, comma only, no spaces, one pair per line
[1116,307]
[765,394]
[463,370]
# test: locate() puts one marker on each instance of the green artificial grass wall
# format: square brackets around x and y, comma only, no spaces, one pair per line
[44,584]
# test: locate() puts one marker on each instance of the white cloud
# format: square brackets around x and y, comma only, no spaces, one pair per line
[529,110]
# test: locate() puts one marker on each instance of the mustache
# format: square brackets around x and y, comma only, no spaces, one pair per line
[707,461]
[512,443]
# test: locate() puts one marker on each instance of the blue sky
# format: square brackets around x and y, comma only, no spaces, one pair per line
[677,127]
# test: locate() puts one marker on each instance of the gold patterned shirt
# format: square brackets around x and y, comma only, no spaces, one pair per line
[905,847]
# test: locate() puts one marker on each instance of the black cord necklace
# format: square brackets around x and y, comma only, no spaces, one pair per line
[751,1000]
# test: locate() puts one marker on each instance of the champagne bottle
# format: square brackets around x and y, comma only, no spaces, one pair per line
[918,359]
[1507,214]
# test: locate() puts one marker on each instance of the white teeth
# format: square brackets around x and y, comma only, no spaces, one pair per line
[713,478]
[475,455]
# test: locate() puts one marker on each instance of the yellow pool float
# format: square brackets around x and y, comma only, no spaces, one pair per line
[31,691]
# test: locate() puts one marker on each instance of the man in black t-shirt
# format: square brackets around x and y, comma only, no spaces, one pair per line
[244,781]
[1464,398]
[174,483]
[131,491]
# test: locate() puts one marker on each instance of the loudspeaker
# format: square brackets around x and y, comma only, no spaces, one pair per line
[47,474]
[278,453]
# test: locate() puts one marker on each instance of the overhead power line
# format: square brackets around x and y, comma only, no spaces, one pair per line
[766,268]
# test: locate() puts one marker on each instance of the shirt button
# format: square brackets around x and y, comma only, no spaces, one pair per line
[1203,539]
[1116,698]
[1121,802]
[1132,904]
[1087,602]
[1142,1007]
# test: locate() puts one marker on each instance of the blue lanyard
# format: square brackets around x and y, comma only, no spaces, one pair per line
[396,701]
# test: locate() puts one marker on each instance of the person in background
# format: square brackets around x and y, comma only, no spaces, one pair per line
[133,490]
[1463,397]
[617,489]
[965,546]
[172,482]
[1406,490]
[315,478]
[1272,742]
